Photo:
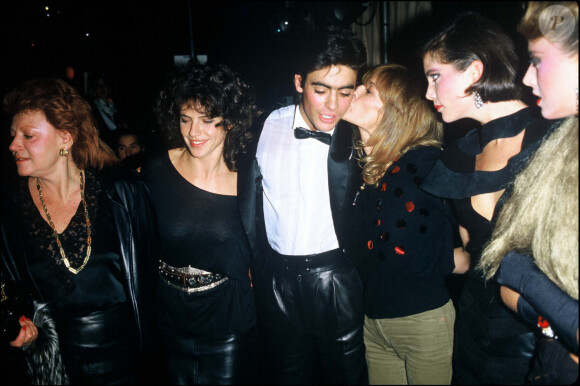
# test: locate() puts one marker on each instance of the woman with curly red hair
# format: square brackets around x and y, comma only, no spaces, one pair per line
[80,233]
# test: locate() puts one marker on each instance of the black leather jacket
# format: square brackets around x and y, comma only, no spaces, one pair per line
[134,220]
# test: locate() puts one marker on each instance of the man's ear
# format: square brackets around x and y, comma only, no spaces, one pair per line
[298,83]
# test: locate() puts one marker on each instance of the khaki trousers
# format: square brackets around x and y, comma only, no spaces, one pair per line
[411,350]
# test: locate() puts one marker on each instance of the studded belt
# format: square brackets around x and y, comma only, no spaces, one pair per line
[189,279]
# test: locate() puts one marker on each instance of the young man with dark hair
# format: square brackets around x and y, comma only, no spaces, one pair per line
[308,291]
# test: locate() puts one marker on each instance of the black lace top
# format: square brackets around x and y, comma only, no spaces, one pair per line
[99,284]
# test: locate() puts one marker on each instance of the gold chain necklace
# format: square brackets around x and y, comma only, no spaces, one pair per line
[55,233]
[4,297]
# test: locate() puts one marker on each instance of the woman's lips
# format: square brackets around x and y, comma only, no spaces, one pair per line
[539,101]
[438,107]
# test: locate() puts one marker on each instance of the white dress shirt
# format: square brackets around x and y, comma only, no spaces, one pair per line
[295,181]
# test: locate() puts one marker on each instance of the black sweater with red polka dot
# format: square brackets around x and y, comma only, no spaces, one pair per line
[402,240]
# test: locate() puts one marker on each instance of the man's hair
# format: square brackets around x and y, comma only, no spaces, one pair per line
[123,131]
[333,46]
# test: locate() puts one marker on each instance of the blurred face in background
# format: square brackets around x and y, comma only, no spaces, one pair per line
[101,89]
[128,145]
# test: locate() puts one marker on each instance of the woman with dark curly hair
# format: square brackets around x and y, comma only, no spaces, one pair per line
[205,300]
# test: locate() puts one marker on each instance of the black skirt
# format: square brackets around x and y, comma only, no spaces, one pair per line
[100,347]
[218,360]
[553,365]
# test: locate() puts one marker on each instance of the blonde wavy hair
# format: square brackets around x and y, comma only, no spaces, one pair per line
[407,121]
[541,217]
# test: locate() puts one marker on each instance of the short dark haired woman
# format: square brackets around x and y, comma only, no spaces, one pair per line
[471,72]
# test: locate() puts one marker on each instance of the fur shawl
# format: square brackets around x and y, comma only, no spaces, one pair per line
[44,362]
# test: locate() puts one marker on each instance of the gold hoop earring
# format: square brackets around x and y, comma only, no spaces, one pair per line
[63,152]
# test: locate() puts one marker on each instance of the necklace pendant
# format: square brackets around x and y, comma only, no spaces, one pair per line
[55,233]
[355,197]
[4,297]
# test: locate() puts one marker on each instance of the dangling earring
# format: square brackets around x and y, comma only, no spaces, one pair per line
[477,100]
[63,152]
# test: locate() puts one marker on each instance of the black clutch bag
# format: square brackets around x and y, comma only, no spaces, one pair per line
[16,300]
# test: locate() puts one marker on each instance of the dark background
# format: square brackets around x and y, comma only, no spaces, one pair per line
[133,43]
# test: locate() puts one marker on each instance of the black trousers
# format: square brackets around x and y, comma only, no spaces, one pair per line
[552,364]
[310,312]
[100,348]
[225,360]
[491,347]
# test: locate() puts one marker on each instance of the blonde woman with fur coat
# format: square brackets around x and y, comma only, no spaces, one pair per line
[533,252]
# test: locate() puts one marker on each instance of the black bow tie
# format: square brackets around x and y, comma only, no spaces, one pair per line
[301,133]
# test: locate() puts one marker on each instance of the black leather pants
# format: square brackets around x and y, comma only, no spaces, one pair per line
[311,319]
[221,360]
[100,347]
